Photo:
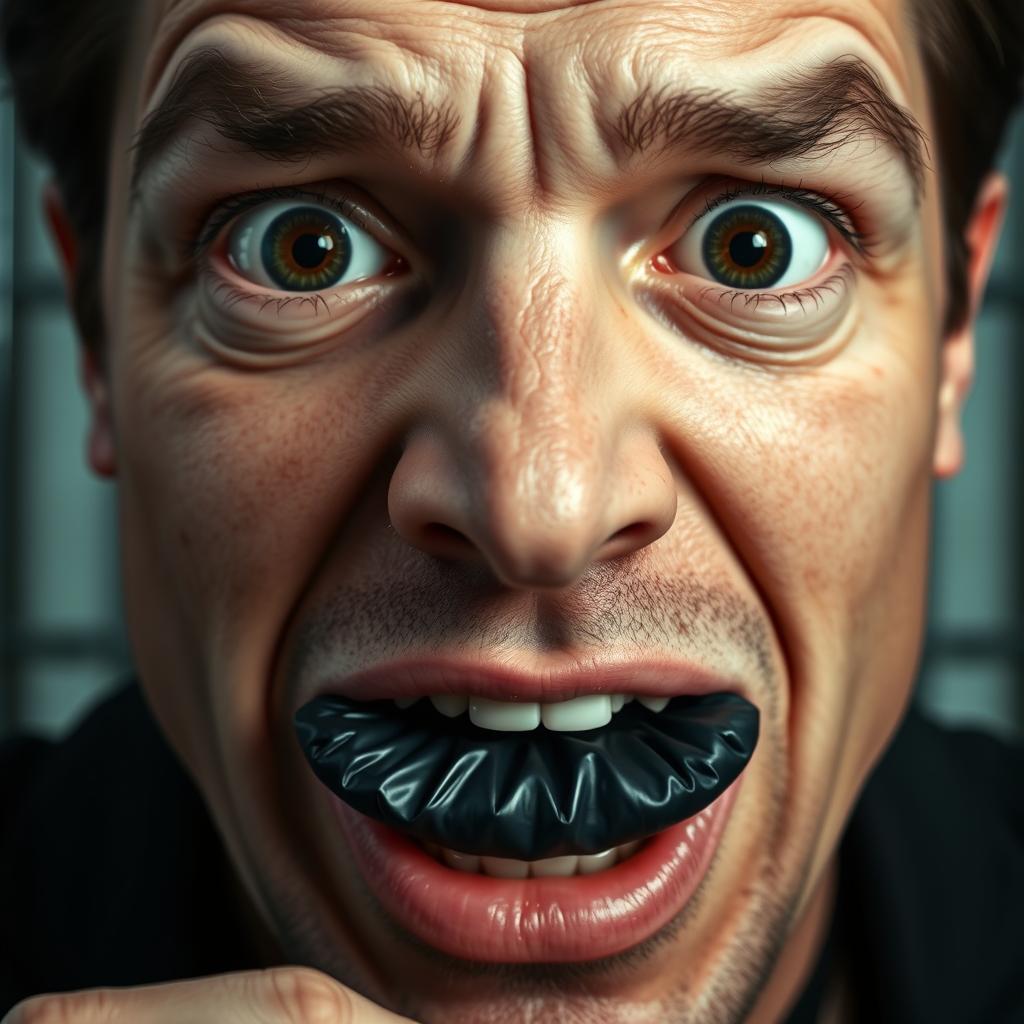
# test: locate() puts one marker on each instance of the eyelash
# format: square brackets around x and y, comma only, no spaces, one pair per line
[830,210]
[196,246]
[797,297]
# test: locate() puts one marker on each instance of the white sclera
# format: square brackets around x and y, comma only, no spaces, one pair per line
[807,232]
[368,257]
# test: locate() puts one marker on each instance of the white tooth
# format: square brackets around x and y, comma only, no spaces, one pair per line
[406,702]
[654,703]
[561,867]
[451,704]
[597,862]
[461,861]
[504,716]
[505,867]
[618,700]
[629,699]
[589,712]
[628,850]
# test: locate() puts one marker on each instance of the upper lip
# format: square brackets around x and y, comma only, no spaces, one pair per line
[427,676]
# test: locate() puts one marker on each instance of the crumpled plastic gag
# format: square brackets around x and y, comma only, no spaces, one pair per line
[528,795]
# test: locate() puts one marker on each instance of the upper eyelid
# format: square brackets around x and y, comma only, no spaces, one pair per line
[827,208]
[235,206]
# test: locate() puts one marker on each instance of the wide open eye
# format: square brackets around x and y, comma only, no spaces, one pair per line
[302,247]
[752,244]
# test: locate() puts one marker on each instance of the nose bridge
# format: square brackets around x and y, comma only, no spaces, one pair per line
[535,306]
[538,432]
[530,468]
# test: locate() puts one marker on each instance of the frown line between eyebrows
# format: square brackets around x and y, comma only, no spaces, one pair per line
[267,111]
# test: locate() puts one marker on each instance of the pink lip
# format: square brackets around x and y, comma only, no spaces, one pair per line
[554,920]
[438,675]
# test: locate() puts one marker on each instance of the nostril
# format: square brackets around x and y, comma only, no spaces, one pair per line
[629,538]
[634,532]
[439,536]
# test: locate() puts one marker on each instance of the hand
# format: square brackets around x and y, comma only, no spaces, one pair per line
[281,995]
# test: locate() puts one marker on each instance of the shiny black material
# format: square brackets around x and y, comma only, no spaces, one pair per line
[528,794]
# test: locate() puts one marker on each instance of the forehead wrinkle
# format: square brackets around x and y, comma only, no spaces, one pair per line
[876,20]
[180,18]
[311,61]
[709,29]
[430,49]
[176,19]
[612,36]
[880,32]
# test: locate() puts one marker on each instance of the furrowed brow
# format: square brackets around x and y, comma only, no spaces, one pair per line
[260,108]
[815,113]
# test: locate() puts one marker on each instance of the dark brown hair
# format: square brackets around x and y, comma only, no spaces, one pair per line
[64,59]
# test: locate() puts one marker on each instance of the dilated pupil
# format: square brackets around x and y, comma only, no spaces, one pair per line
[748,248]
[310,251]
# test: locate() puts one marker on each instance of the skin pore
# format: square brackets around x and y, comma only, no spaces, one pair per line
[536,435]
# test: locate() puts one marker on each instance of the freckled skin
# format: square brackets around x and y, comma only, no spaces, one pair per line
[604,478]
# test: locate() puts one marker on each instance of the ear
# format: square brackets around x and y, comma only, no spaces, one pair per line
[957,374]
[100,449]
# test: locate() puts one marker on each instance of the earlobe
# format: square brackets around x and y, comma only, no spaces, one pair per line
[100,448]
[957,370]
[957,375]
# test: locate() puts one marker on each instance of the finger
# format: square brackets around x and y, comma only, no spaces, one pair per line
[281,995]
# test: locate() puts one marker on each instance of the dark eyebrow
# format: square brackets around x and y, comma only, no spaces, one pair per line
[255,105]
[815,112]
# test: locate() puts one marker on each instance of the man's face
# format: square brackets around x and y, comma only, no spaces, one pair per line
[615,372]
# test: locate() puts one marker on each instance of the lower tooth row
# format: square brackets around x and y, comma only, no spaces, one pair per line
[553,867]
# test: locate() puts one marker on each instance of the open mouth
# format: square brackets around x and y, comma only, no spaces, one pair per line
[511,830]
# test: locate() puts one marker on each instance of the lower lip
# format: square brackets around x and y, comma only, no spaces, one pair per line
[550,920]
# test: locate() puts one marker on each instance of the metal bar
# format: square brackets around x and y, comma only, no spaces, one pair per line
[41,292]
[980,644]
[69,643]
[1009,283]
[1002,293]
[9,693]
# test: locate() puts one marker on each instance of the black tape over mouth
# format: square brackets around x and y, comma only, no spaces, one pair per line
[528,795]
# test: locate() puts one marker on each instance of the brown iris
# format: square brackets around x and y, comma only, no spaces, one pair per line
[747,246]
[306,249]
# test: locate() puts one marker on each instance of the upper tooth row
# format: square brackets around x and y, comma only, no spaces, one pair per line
[587,712]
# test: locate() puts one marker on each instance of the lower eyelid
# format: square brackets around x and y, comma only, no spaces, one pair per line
[762,328]
[217,270]
[815,293]
[228,291]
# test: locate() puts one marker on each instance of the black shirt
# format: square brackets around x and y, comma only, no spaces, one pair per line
[112,873]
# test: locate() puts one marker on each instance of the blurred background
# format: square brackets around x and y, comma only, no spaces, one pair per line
[62,644]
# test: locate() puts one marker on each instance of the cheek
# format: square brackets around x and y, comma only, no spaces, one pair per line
[819,481]
[233,488]
[230,478]
[817,475]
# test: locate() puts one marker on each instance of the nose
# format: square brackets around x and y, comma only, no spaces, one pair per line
[530,454]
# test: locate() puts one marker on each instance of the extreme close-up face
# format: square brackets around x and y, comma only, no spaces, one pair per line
[485,357]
